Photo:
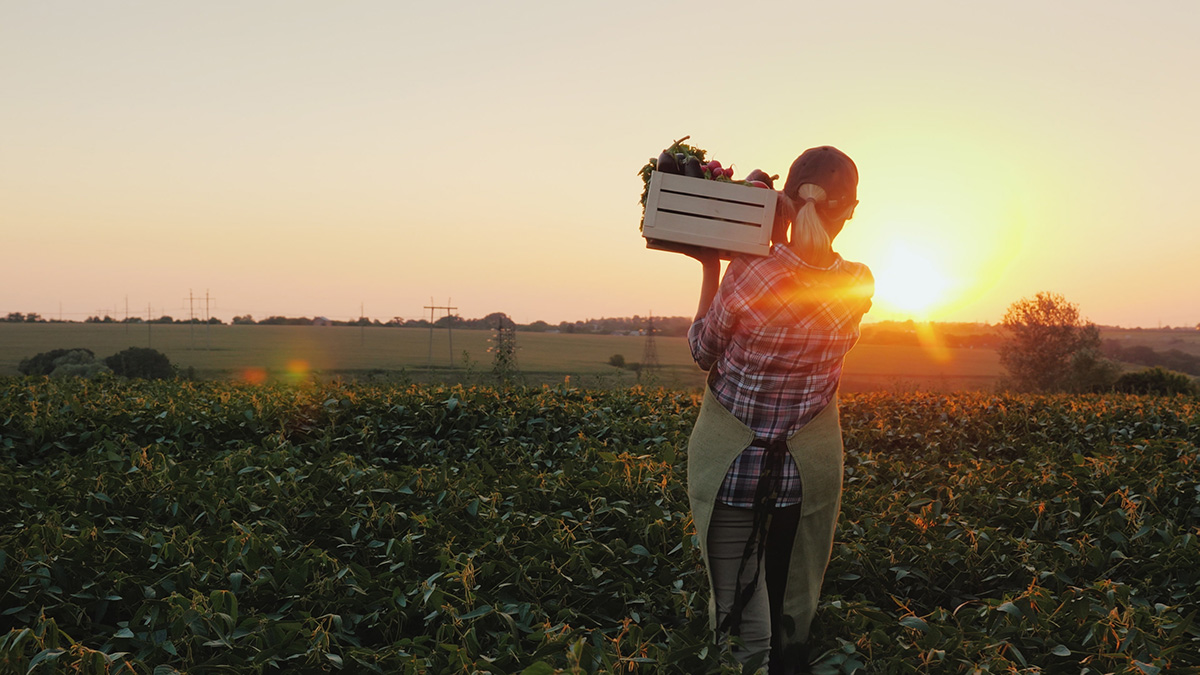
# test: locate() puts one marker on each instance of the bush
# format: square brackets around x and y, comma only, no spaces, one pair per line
[88,371]
[1091,373]
[1156,380]
[44,363]
[617,360]
[143,362]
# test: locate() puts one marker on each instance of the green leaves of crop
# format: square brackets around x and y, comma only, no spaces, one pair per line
[216,527]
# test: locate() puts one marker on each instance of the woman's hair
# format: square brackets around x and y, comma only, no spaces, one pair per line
[821,179]
[808,229]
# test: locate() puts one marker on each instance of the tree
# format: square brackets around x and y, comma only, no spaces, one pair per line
[141,362]
[1050,348]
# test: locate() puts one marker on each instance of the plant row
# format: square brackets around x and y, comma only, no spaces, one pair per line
[208,527]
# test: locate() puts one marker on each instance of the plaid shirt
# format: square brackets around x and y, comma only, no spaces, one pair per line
[773,342]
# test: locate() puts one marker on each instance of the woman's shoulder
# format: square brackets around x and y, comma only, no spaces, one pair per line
[857,280]
[856,269]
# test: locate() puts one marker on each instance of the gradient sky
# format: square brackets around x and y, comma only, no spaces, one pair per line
[312,158]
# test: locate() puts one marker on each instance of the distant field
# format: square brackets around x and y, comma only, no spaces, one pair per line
[232,352]
[1159,340]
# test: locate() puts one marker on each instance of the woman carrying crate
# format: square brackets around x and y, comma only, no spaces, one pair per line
[765,456]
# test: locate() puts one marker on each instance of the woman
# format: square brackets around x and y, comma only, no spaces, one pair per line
[765,456]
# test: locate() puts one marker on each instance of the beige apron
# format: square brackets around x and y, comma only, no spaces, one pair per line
[716,441]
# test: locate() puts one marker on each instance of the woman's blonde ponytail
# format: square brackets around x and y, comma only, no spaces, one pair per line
[808,230]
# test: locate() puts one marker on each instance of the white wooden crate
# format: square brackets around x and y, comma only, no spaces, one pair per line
[724,216]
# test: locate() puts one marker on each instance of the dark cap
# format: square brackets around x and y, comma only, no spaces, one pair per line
[828,167]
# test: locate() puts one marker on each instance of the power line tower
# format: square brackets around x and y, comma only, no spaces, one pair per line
[650,351]
[449,328]
[192,317]
[504,350]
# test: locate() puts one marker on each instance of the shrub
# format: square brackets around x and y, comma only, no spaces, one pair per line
[1157,380]
[44,363]
[1090,372]
[89,371]
[143,362]
[617,360]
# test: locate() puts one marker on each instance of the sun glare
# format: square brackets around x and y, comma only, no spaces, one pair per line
[910,283]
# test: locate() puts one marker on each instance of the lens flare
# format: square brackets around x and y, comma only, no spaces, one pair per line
[297,371]
[931,341]
[253,375]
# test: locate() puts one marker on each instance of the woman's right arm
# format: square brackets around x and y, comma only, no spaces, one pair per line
[709,284]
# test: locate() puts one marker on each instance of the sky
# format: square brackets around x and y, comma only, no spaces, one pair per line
[306,158]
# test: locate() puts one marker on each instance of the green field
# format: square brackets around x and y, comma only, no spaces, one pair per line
[181,527]
[292,352]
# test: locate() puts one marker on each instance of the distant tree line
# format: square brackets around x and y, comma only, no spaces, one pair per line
[162,319]
[18,317]
[667,326]
[888,336]
[1172,359]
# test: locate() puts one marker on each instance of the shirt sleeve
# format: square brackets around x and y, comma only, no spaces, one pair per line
[864,289]
[710,334]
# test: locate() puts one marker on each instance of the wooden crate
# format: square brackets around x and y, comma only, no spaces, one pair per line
[728,217]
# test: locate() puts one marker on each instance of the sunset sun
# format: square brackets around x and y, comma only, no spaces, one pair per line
[910,282]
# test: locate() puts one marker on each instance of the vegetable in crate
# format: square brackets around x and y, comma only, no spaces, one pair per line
[666,163]
[760,176]
[687,160]
[680,153]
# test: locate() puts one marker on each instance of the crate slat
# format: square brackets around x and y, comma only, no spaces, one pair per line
[706,207]
[723,216]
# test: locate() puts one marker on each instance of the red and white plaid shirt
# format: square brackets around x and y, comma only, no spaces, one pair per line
[773,342]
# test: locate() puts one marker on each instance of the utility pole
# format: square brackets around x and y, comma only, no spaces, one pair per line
[149,327]
[207,324]
[362,327]
[126,314]
[192,317]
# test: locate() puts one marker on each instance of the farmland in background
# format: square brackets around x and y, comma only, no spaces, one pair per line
[298,352]
[1159,340]
[290,353]
[224,527]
